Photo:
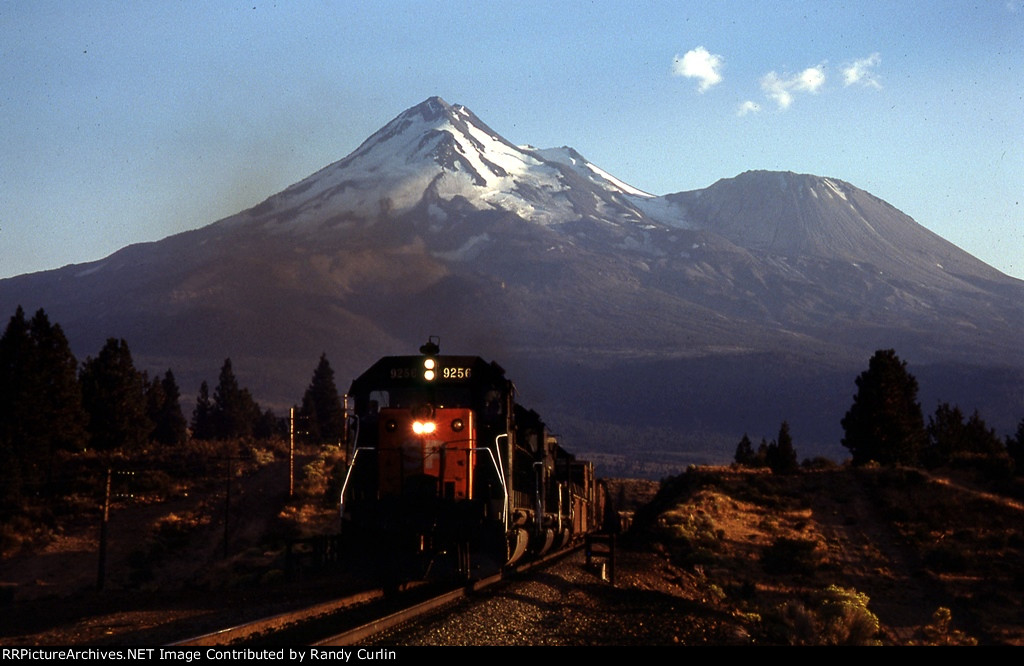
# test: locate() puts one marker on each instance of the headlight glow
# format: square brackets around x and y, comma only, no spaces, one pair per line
[423,427]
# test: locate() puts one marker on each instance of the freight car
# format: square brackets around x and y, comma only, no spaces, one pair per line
[448,475]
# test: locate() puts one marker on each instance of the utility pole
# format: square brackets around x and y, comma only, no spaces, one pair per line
[227,505]
[291,452]
[101,574]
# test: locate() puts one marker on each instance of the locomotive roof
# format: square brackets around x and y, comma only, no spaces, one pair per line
[407,370]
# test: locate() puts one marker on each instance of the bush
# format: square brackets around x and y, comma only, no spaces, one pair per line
[791,556]
[836,616]
[940,632]
[690,535]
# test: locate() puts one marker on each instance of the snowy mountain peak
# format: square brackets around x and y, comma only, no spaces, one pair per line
[437,152]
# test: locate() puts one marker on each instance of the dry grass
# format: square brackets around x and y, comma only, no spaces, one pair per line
[846,556]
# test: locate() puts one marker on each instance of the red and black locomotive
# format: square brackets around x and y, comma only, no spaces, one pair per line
[448,474]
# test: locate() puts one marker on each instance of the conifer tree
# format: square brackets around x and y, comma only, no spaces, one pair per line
[949,436]
[15,350]
[202,415]
[946,435]
[114,396]
[885,423]
[235,413]
[321,406]
[744,452]
[781,453]
[169,425]
[1015,447]
[981,439]
[40,399]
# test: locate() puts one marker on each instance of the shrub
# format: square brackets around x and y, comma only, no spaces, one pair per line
[835,616]
[791,556]
[691,535]
[940,632]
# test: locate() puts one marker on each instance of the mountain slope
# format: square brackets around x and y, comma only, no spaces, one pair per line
[673,322]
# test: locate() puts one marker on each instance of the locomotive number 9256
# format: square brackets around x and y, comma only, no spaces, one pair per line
[455,373]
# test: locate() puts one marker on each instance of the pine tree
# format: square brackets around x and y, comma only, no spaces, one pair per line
[18,466]
[980,438]
[885,423]
[235,413]
[781,457]
[114,396]
[321,406]
[950,436]
[1015,447]
[169,425]
[202,416]
[744,452]
[40,399]
[946,435]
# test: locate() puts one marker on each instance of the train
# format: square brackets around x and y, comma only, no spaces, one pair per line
[447,475]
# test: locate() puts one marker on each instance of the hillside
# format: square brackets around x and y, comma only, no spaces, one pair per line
[747,554]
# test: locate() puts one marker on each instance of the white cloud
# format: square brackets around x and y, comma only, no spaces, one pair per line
[699,64]
[860,71]
[748,107]
[780,90]
[810,79]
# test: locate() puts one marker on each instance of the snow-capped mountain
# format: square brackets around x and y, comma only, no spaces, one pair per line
[435,155]
[674,322]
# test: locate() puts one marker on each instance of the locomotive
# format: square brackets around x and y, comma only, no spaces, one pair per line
[448,475]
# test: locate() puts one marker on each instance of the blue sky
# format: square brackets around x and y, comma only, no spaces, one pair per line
[125,122]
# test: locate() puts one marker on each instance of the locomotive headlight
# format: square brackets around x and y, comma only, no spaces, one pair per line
[423,427]
[429,366]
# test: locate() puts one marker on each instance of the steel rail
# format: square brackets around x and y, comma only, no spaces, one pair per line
[281,621]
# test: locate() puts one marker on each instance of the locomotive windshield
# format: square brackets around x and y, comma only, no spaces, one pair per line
[408,397]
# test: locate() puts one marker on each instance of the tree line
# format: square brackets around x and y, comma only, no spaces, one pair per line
[50,404]
[885,425]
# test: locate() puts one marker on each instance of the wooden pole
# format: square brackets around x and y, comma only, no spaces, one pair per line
[101,573]
[227,507]
[291,452]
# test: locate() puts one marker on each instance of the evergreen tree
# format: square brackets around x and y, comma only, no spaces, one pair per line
[980,438]
[114,396]
[1015,447]
[202,417]
[781,455]
[268,426]
[40,400]
[321,406]
[15,350]
[761,457]
[946,435]
[744,452]
[169,425]
[885,423]
[950,436]
[235,413]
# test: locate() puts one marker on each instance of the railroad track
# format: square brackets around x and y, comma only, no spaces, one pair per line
[355,618]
